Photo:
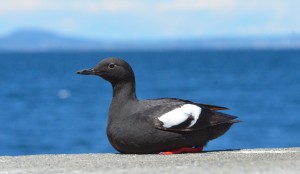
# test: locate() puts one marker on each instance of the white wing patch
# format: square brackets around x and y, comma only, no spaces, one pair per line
[179,115]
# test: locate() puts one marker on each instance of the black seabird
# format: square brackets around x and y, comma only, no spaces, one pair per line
[166,125]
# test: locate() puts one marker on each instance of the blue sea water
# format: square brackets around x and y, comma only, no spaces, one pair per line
[46,108]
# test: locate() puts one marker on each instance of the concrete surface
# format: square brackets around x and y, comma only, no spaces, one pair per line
[231,161]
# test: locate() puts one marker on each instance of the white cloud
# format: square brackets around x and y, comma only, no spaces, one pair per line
[164,18]
[196,5]
[111,6]
[17,6]
[117,6]
[88,6]
[144,7]
[267,17]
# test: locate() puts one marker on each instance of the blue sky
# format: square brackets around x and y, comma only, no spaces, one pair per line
[151,19]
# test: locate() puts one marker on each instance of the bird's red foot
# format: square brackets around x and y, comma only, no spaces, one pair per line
[183,150]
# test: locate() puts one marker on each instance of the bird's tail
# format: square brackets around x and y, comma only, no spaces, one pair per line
[219,129]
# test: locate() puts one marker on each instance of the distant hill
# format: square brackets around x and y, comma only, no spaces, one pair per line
[43,40]
[40,40]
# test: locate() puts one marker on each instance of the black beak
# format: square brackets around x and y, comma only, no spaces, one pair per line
[90,71]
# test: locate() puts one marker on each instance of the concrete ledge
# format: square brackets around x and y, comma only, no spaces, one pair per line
[230,161]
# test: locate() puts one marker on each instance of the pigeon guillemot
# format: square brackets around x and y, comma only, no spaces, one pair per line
[165,125]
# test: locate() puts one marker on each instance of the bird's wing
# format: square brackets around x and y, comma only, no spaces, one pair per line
[187,117]
[211,107]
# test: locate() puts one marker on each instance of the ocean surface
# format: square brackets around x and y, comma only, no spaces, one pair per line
[46,108]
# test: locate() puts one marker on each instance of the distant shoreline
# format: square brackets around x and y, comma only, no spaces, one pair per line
[37,40]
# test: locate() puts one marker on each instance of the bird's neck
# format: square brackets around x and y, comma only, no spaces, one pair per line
[124,92]
[123,99]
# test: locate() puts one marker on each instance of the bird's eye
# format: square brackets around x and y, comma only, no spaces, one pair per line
[111,66]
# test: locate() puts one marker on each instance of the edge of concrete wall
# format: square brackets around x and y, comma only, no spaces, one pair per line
[275,160]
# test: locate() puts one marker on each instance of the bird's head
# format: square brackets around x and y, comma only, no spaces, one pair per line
[113,69]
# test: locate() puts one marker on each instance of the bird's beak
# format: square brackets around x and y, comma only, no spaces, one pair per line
[90,71]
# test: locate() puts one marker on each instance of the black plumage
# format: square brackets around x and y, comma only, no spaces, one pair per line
[153,126]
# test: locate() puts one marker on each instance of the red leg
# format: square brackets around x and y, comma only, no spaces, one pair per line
[183,150]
